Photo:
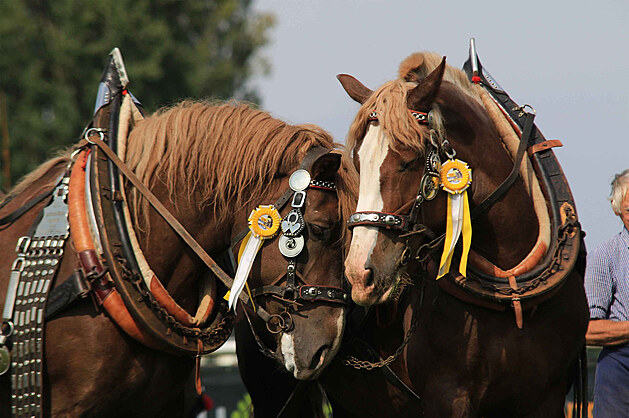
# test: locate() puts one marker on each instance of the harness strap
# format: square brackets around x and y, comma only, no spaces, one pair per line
[168,217]
[36,265]
[517,161]
[380,219]
[74,288]
[307,293]
[13,216]
[542,146]
[515,301]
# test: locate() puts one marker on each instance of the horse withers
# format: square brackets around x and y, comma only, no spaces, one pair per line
[210,165]
[498,337]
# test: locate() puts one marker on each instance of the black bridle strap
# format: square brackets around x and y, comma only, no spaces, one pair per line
[378,219]
[306,293]
[517,162]
[311,156]
[13,216]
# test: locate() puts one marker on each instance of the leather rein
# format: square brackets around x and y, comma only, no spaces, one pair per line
[292,293]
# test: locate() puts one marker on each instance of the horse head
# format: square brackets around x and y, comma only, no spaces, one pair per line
[402,133]
[237,163]
[308,309]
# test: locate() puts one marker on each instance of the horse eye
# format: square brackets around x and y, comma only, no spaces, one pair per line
[317,232]
[407,165]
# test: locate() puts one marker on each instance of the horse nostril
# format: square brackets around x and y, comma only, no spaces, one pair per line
[368,276]
[319,357]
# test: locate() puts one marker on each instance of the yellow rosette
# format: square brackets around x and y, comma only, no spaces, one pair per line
[264,222]
[456,177]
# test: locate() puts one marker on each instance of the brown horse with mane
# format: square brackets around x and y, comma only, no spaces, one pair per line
[210,165]
[477,344]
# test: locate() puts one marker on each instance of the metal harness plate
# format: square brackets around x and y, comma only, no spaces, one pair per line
[38,258]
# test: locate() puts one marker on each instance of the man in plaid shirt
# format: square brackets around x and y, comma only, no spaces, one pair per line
[607,289]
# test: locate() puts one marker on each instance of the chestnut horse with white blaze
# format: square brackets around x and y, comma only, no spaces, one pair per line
[485,339]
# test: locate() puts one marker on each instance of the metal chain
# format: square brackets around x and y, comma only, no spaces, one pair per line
[217,334]
[567,228]
[368,365]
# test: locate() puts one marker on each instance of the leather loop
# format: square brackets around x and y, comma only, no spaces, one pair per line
[542,146]
[517,305]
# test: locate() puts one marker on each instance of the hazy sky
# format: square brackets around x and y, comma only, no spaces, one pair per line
[568,59]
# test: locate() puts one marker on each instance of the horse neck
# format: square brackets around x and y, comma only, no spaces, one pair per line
[507,231]
[173,262]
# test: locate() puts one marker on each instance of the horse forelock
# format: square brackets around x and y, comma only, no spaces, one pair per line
[223,155]
[389,101]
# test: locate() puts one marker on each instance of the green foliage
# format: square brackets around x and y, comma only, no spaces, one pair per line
[244,409]
[52,54]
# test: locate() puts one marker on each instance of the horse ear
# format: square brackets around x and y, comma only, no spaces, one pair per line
[354,88]
[423,96]
[326,166]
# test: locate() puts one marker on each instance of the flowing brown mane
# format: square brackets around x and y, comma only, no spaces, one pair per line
[226,154]
[389,101]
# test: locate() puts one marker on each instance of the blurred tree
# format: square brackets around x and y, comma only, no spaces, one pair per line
[52,54]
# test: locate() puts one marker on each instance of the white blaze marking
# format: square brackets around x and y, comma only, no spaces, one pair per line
[371,154]
[288,352]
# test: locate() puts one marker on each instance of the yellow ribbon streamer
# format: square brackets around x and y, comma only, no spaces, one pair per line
[459,222]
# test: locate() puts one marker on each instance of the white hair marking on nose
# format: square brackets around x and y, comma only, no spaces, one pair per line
[288,352]
[372,153]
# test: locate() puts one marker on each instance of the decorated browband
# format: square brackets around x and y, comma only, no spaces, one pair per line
[455,177]
[265,222]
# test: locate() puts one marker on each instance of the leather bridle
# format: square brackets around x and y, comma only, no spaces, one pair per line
[291,242]
[428,187]
[407,225]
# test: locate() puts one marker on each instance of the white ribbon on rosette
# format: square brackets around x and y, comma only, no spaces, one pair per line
[264,222]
